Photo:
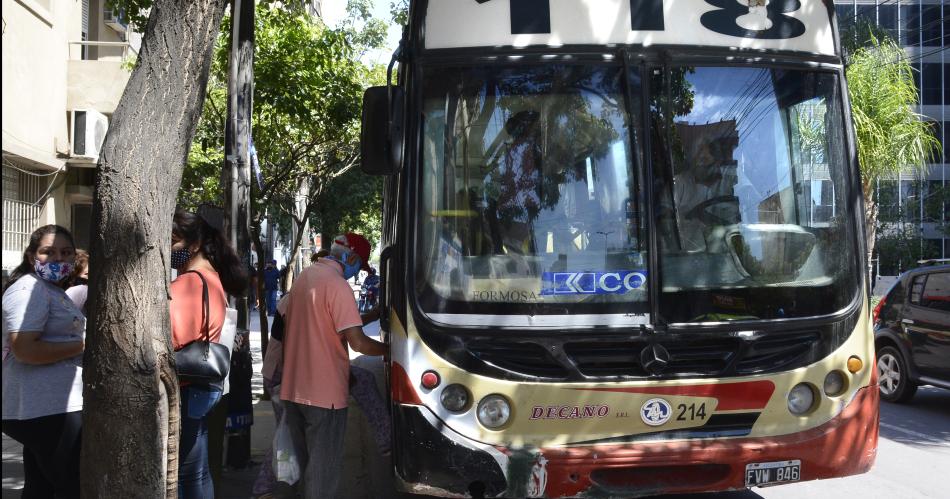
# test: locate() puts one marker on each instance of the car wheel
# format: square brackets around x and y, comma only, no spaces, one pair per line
[893,376]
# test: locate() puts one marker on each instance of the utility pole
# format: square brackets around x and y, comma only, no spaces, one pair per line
[236,176]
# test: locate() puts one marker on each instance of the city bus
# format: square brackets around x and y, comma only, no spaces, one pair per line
[623,248]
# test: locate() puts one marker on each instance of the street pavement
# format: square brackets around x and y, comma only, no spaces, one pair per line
[913,457]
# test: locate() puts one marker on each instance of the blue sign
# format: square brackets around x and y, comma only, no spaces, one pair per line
[616,282]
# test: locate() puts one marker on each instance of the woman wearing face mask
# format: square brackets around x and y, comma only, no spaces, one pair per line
[199,248]
[78,282]
[43,341]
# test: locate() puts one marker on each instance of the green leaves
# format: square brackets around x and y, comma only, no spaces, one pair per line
[890,135]
[308,87]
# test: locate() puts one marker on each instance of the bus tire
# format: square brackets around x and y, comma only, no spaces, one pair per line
[894,376]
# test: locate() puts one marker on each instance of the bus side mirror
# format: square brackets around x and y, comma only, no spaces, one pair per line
[381,136]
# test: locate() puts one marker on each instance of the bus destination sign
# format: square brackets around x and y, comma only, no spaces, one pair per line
[791,25]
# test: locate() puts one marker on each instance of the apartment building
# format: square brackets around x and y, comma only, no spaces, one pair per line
[65,66]
[914,210]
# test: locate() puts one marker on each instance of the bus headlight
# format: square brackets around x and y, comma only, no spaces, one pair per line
[834,384]
[455,397]
[493,411]
[800,399]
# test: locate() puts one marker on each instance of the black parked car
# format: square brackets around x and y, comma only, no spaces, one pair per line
[912,333]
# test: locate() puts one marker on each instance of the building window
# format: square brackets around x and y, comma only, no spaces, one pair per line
[887,201]
[938,133]
[887,18]
[910,201]
[845,15]
[946,141]
[910,25]
[867,14]
[946,85]
[915,68]
[930,18]
[22,193]
[930,89]
[82,225]
[935,196]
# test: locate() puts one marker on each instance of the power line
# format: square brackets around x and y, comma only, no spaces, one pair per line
[9,164]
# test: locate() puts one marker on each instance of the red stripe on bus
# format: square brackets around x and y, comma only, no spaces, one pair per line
[731,396]
[845,445]
[402,389]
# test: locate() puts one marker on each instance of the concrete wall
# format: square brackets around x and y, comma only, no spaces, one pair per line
[34,54]
[95,85]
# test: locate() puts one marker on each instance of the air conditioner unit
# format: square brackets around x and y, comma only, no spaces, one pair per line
[88,131]
[115,19]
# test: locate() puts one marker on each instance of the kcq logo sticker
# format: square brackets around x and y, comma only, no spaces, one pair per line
[655,412]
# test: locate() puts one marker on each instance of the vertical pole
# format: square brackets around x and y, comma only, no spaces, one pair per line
[237,166]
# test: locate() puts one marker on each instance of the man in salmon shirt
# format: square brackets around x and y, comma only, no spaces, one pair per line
[321,319]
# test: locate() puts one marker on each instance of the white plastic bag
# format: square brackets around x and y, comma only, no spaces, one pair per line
[286,466]
[228,333]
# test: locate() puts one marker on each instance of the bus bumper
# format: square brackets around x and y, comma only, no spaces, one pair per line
[433,459]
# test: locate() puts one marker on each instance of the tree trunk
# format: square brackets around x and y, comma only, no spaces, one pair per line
[131,408]
[870,224]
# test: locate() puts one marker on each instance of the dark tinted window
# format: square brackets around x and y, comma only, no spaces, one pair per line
[893,301]
[938,132]
[910,201]
[946,139]
[930,25]
[933,201]
[915,68]
[887,201]
[931,85]
[946,78]
[887,18]
[845,15]
[936,292]
[866,15]
[910,24]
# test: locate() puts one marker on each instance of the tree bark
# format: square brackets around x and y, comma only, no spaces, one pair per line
[870,224]
[131,408]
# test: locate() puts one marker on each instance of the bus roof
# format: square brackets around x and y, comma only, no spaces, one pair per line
[785,25]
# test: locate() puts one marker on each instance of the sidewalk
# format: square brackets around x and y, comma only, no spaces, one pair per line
[366,473]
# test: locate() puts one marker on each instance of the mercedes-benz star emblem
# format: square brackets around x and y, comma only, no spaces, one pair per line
[654,358]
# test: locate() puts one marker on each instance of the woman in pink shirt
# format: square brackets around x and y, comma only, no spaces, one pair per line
[202,258]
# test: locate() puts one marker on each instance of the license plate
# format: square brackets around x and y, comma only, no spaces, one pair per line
[760,474]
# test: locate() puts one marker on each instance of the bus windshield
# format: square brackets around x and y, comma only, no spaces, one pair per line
[532,196]
[529,193]
[753,217]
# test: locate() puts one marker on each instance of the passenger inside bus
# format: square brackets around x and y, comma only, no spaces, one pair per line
[704,185]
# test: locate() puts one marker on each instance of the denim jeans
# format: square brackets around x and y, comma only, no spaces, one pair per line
[272,301]
[194,476]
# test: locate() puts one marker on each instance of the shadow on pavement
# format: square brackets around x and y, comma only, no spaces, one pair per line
[924,420]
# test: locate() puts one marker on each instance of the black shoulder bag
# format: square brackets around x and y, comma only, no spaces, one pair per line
[203,361]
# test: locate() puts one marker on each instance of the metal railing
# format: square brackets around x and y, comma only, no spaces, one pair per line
[121,51]
[19,221]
